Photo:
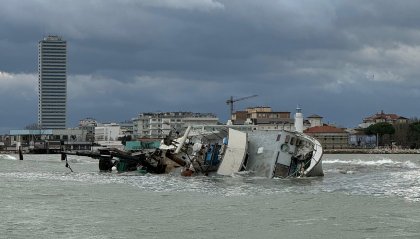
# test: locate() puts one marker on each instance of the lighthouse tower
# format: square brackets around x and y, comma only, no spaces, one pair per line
[299,120]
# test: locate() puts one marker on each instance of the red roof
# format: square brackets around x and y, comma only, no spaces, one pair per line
[384,116]
[324,129]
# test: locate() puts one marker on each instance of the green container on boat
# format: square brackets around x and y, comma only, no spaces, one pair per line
[121,167]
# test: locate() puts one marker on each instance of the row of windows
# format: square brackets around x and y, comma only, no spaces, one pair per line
[335,139]
[52,59]
[52,75]
[46,106]
[58,93]
[53,111]
[160,120]
[53,122]
[48,62]
[53,50]
[50,48]
[60,84]
[52,78]
[53,102]
[53,70]
[49,44]
[44,75]
[50,66]
[61,100]
[52,119]
[47,95]
[53,87]
[53,92]
[60,56]
[43,72]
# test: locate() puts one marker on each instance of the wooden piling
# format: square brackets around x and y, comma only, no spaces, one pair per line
[20,153]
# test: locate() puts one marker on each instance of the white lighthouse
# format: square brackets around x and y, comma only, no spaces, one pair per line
[299,120]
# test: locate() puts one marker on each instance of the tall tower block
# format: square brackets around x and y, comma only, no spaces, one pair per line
[52,83]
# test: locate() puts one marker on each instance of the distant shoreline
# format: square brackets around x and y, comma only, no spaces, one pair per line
[326,151]
[372,151]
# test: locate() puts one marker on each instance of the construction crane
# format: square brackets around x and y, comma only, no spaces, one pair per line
[231,101]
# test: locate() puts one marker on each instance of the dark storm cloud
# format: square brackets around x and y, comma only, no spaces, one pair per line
[343,60]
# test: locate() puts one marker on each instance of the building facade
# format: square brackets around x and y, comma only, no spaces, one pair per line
[329,136]
[88,125]
[382,117]
[52,83]
[157,125]
[315,120]
[261,115]
[264,118]
[107,132]
[48,140]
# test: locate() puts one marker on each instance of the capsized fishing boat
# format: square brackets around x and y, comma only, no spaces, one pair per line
[262,153]
[229,149]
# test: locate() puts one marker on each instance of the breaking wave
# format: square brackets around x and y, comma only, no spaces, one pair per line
[8,157]
[381,162]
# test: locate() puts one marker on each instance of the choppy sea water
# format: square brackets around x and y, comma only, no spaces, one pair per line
[360,196]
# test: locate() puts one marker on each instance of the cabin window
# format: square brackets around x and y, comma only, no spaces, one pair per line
[287,139]
[278,137]
[292,141]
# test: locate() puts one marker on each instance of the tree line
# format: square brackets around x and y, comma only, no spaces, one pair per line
[406,135]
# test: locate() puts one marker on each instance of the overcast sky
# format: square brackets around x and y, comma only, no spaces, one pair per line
[343,60]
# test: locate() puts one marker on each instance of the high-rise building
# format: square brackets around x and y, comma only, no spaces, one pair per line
[52,83]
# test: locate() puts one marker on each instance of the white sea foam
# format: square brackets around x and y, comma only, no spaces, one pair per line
[407,164]
[8,157]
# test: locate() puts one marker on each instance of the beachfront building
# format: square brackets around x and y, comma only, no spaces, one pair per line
[315,120]
[107,132]
[48,140]
[52,83]
[158,125]
[329,136]
[88,125]
[264,118]
[359,139]
[382,117]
